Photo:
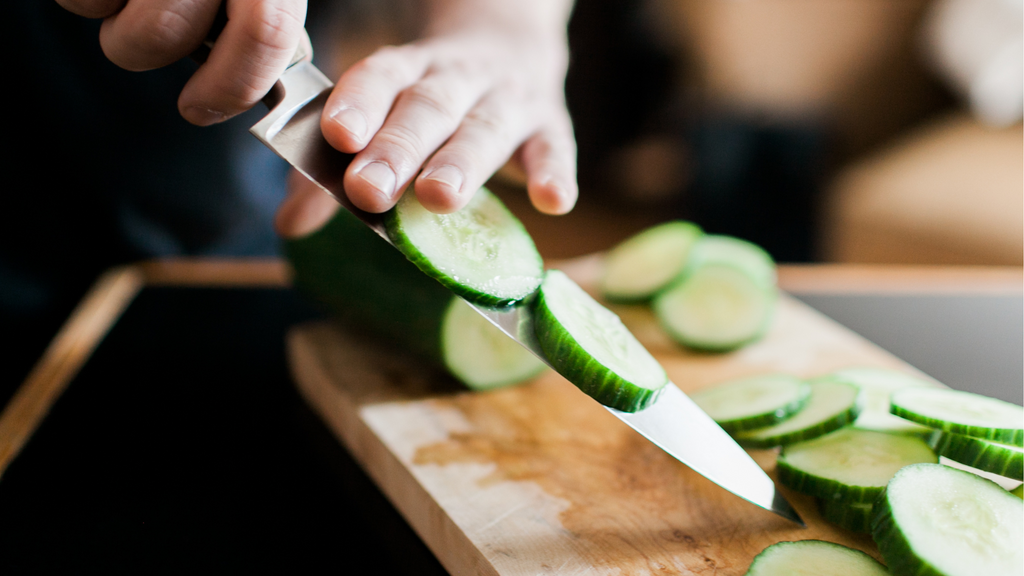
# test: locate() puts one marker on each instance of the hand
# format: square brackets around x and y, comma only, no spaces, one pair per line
[449,111]
[249,56]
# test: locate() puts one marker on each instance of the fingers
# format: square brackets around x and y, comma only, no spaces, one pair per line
[150,34]
[488,135]
[363,95]
[304,210]
[424,116]
[249,56]
[549,158]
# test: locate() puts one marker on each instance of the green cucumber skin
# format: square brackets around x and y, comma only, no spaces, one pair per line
[369,286]
[392,225]
[979,454]
[690,227]
[589,375]
[852,517]
[768,419]
[1012,436]
[839,421]
[757,565]
[824,488]
[893,545]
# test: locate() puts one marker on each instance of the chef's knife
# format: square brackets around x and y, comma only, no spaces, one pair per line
[673,422]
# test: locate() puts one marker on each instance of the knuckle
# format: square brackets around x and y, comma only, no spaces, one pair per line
[491,123]
[435,98]
[400,143]
[167,33]
[274,25]
[391,63]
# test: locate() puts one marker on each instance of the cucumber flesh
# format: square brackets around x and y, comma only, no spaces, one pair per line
[755,402]
[961,413]
[589,345]
[876,386]
[1018,491]
[831,406]
[814,558]
[718,307]
[849,465]
[852,516]
[1002,459]
[645,263]
[933,519]
[481,355]
[482,252]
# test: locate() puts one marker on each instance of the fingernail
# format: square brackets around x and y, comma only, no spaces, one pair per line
[381,177]
[448,176]
[352,121]
[204,116]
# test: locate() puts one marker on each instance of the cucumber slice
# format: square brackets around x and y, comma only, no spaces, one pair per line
[831,406]
[1001,459]
[756,402]
[369,286]
[725,297]
[933,519]
[481,252]
[876,386]
[1018,491]
[645,263]
[852,516]
[479,354]
[849,465]
[372,288]
[589,345]
[814,558]
[961,413]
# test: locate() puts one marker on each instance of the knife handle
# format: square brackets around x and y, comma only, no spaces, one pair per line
[304,52]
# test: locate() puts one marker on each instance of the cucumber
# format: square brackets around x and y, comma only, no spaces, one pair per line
[643,264]
[482,252]
[831,406]
[1018,491]
[814,558]
[961,413]
[852,516]
[876,386]
[1001,459]
[588,344]
[479,354]
[933,519]
[372,288]
[755,402]
[849,465]
[725,297]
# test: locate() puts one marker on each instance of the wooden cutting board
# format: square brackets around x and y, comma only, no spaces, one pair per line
[539,478]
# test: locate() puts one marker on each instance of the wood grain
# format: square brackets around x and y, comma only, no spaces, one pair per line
[66,354]
[211,272]
[539,479]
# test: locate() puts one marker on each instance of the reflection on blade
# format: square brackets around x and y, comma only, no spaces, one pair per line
[292,130]
[674,423]
[678,426]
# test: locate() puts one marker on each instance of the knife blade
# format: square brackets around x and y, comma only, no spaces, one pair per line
[673,422]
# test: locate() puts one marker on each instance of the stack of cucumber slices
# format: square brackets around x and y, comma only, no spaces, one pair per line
[866,443]
[710,292]
[369,287]
[483,254]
